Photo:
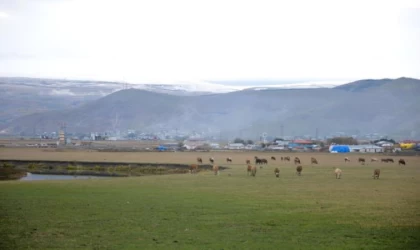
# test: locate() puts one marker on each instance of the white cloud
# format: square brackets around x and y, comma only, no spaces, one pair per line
[3,15]
[198,41]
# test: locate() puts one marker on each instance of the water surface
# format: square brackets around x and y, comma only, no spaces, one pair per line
[40,177]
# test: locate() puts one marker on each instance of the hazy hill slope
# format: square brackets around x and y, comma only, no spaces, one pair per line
[389,107]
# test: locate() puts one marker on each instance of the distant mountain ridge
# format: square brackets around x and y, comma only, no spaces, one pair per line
[384,106]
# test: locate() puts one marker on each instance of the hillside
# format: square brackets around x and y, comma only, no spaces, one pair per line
[387,106]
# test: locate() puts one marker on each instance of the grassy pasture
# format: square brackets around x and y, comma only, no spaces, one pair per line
[203,211]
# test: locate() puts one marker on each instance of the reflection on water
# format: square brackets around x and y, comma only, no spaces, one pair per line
[39,177]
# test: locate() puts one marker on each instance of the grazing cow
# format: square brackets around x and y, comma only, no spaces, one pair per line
[216,169]
[248,169]
[313,161]
[248,162]
[384,160]
[277,172]
[287,158]
[193,168]
[297,160]
[376,173]
[401,162]
[337,173]
[362,160]
[299,170]
[373,159]
[260,161]
[273,158]
[228,159]
[211,160]
[390,160]
[199,160]
[253,171]
[346,159]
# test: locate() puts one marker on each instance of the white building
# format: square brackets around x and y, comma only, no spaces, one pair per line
[369,148]
[236,146]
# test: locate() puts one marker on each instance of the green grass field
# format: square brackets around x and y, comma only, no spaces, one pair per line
[204,211]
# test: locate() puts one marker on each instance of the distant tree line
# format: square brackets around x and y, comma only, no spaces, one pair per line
[342,140]
[245,142]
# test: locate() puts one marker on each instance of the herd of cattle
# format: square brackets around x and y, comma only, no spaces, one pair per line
[252,169]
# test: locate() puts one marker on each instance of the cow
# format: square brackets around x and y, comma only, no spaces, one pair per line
[248,169]
[253,171]
[199,160]
[248,161]
[260,161]
[384,160]
[313,161]
[373,159]
[362,160]
[297,160]
[277,172]
[273,158]
[193,168]
[216,169]
[299,170]
[390,160]
[401,162]
[376,173]
[211,160]
[337,173]
[281,158]
[287,158]
[346,159]
[228,159]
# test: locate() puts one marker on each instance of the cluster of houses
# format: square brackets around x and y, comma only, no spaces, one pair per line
[304,145]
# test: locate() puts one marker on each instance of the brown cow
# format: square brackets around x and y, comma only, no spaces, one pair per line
[346,159]
[254,170]
[362,160]
[299,170]
[297,160]
[401,162]
[281,158]
[273,158]
[287,158]
[199,160]
[216,169]
[248,161]
[193,168]
[228,159]
[211,160]
[277,172]
[313,160]
[376,173]
[248,169]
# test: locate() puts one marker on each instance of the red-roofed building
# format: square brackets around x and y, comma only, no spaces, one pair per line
[303,142]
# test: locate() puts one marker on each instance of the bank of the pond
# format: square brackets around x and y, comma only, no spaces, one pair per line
[39,177]
[104,169]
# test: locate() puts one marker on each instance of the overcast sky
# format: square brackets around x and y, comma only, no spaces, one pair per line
[177,41]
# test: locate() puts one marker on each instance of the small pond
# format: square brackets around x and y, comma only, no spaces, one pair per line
[39,177]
